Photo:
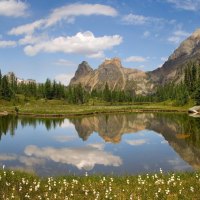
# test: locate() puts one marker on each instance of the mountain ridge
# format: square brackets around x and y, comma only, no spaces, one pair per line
[137,81]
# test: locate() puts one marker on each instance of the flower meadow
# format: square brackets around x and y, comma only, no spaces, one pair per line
[21,185]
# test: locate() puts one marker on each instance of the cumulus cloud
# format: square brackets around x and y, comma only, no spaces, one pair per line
[7,43]
[65,13]
[28,161]
[136,142]
[7,157]
[64,78]
[82,43]
[13,8]
[191,5]
[135,59]
[31,161]
[30,39]
[83,158]
[178,36]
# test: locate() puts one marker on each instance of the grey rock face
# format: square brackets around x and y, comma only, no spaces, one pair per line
[115,75]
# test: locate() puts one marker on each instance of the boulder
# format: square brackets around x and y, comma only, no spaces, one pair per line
[195,109]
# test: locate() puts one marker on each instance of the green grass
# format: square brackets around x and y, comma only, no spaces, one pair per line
[21,185]
[59,107]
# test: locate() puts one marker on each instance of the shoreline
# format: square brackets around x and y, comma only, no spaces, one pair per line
[95,112]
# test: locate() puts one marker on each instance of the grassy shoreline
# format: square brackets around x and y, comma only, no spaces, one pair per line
[57,108]
[21,185]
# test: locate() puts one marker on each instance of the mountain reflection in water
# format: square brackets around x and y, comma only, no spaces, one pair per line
[44,152]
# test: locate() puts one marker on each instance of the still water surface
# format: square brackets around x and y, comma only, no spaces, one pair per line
[104,144]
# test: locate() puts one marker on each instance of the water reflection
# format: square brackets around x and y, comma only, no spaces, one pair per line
[123,143]
[179,130]
[11,122]
[83,158]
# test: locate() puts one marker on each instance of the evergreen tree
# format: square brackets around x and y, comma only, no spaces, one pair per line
[0,77]
[48,90]
[182,95]
[107,93]
[6,91]
[0,85]
[197,93]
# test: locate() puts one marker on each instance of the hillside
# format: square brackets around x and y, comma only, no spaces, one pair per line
[173,68]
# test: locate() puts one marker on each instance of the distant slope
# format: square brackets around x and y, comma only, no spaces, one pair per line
[173,68]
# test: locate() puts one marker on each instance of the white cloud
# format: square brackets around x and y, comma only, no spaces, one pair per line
[30,39]
[27,28]
[133,19]
[192,5]
[66,124]
[82,43]
[99,54]
[64,138]
[159,66]
[70,11]
[83,158]
[135,59]
[178,36]
[7,43]
[7,157]
[64,78]
[146,34]
[31,161]
[99,146]
[66,63]
[136,142]
[13,8]
[66,13]
[163,59]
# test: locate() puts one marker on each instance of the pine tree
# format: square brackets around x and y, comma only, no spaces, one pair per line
[48,90]
[0,77]
[107,93]
[6,91]
[197,91]
[0,85]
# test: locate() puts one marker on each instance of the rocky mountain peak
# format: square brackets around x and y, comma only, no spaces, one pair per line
[196,34]
[115,75]
[83,69]
[173,69]
[109,63]
[187,47]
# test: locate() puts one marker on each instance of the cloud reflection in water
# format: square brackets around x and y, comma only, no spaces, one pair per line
[83,158]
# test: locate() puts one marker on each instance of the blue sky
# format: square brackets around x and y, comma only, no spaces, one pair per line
[49,38]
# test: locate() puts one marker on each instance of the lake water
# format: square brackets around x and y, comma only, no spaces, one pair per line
[104,144]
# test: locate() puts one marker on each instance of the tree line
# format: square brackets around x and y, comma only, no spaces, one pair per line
[188,88]
[180,93]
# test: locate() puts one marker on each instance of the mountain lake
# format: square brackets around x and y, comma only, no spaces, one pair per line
[115,144]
